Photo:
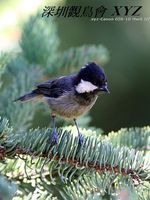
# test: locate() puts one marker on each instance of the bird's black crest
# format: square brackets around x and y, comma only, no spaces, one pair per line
[93,73]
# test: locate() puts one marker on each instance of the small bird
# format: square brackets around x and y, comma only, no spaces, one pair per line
[71,96]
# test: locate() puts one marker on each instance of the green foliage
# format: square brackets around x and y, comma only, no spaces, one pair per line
[4,129]
[40,44]
[39,40]
[74,58]
[4,58]
[18,81]
[137,138]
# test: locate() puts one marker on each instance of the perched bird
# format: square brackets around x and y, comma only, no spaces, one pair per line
[71,96]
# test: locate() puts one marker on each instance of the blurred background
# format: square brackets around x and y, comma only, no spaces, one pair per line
[128,43]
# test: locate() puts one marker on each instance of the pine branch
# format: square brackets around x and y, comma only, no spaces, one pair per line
[95,159]
[137,138]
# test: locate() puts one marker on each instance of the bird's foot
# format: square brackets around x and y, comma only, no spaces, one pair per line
[81,139]
[54,137]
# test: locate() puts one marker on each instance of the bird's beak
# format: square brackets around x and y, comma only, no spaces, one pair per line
[104,89]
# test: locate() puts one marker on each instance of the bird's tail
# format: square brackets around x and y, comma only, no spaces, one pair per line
[28,96]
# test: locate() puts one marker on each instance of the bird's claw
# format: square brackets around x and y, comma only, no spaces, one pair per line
[81,139]
[54,137]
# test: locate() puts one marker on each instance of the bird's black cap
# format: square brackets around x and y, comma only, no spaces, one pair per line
[93,73]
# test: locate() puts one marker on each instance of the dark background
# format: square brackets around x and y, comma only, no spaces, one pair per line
[128,70]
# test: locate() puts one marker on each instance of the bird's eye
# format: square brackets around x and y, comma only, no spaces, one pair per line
[95,82]
[104,81]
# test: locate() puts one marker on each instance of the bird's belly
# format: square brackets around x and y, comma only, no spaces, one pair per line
[69,107]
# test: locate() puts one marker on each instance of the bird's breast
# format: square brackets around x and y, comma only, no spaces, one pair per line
[70,106]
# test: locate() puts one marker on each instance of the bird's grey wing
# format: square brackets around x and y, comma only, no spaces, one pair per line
[57,87]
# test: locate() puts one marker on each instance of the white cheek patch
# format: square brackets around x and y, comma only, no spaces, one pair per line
[85,86]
